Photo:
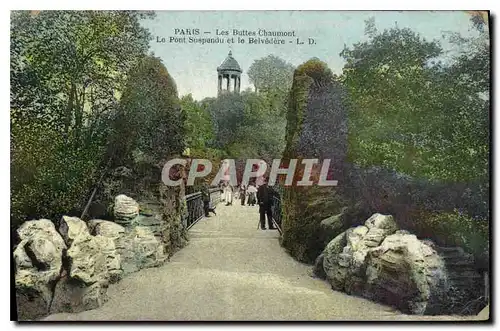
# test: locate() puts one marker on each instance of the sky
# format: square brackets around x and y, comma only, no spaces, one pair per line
[194,66]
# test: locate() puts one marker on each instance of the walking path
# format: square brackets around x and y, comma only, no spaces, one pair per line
[232,271]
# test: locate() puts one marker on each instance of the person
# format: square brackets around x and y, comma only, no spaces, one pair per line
[229,194]
[265,200]
[251,194]
[242,194]
[205,197]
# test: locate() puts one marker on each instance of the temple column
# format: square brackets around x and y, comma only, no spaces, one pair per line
[239,83]
[235,83]
[228,79]
[219,86]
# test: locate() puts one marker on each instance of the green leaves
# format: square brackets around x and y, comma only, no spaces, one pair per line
[414,114]
[150,119]
[68,69]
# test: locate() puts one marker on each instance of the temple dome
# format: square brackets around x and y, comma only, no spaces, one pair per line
[229,64]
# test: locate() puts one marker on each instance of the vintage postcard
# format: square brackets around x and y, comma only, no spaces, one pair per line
[250,165]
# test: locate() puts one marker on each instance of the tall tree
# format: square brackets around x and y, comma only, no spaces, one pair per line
[413,112]
[67,71]
[150,124]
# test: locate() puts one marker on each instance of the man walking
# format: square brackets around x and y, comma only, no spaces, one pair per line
[265,200]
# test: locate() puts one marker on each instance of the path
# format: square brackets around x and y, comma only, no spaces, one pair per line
[232,271]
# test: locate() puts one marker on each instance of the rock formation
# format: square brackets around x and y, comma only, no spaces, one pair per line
[379,262]
[70,270]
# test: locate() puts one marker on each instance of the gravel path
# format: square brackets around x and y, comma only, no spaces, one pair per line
[232,271]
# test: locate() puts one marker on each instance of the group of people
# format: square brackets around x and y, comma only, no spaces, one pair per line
[261,195]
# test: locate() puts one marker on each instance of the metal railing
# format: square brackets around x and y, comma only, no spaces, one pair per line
[276,208]
[194,204]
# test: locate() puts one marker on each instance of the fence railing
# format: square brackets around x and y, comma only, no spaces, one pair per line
[194,204]
[276,208]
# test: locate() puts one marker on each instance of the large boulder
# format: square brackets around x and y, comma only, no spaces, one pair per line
[377,261]
[71,228]
[42,228]
[125,209]
[38,264]
[88,258]
[406,273]
[139,249]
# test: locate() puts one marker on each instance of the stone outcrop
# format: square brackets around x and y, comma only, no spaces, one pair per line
[381,263]
[38,261]
[125,209]
[71,228]
[106,228]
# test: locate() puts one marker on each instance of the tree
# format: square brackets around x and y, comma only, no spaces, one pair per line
[413,113]
[150,123]
[199,129]
[67,71]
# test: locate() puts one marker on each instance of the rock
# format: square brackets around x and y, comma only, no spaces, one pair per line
[71,228]
[318,269]
[355,237]
[125,209]
[406,273]
[73,296]
[42,227]
[332,253]
[38,259]
[113,258]
[87,259]
[139,249]
[43,254]
[380,221]
[106,228]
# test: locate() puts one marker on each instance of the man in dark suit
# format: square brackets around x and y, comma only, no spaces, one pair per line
[265,200]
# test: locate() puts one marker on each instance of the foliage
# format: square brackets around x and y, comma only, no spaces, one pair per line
[455,229]
[150,124]
[199,128]
[415,112]
[245,127]
[67,71]
[271,74]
